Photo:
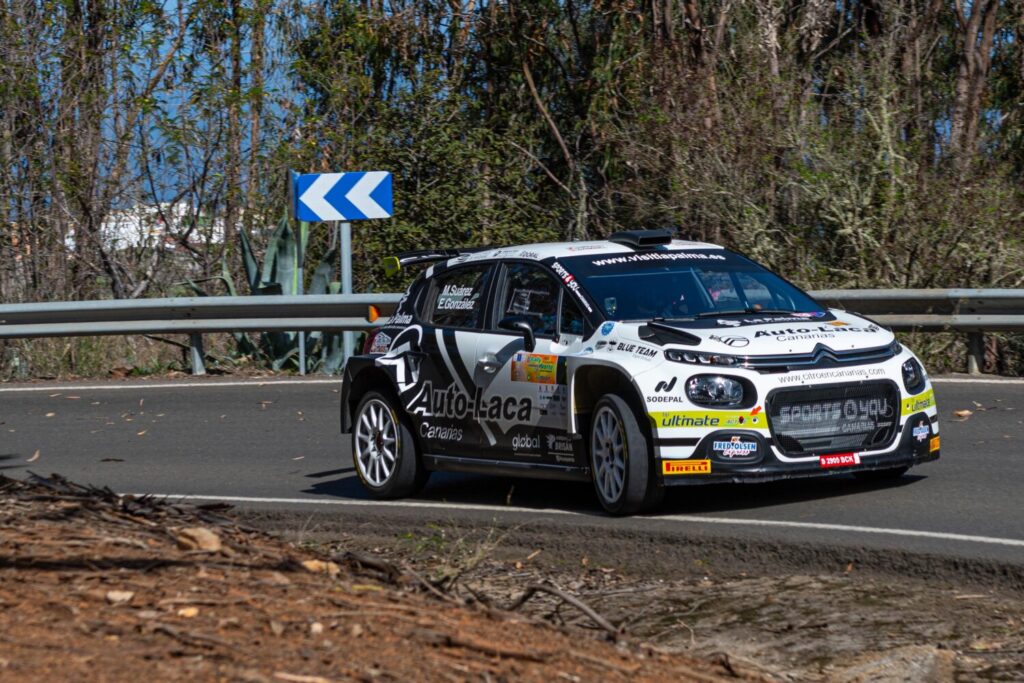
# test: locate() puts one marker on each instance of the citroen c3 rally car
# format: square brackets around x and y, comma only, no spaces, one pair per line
[636,363]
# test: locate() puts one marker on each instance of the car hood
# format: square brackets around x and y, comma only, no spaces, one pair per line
[769,335]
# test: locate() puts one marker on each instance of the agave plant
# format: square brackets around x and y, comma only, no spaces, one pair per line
[280,274]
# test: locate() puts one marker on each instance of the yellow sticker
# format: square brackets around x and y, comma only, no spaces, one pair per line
[672,467]
[919,402]
[537,368]
[933,445]
[735,419]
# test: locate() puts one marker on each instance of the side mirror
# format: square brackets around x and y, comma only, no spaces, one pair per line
[520,326]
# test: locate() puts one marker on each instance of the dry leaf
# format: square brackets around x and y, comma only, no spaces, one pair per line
[188,612]
[963,414]
[142,433]
[321,567]
[276,627]
[119,597]
[532,555]
[198,538]
[50,414]
[35,456]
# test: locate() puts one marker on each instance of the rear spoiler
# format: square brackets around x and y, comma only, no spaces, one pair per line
[393,264]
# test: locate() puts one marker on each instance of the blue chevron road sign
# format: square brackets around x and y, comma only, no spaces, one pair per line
[351,196]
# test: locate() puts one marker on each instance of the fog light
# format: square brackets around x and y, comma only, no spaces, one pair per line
[714,390]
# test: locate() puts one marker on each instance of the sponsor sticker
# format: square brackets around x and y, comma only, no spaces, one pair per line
[559,443]
[570,282]
[753,419]
[439,433]
[820,332]
[607,328]
[400,319]
[665,386]
[734,342]
[934,444]
[735,447]
[921,431]
[526,442]
[638,351]
[811,314]
[659,256]
[684,467]
[381,343]
[919,402]
[839,460]
[454,404]
[536,368]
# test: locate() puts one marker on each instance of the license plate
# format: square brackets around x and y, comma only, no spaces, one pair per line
[839,460]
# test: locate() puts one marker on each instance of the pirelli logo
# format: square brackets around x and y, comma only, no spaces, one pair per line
[677,467]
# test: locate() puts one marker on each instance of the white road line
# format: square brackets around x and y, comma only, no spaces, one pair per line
[690,519]
[980,380]
[171,385]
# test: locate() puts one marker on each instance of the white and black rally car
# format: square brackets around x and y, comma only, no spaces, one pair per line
[637,363]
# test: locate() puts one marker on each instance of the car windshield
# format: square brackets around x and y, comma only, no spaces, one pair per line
[684,284]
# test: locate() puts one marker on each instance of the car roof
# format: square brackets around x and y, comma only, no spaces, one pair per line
[545,250]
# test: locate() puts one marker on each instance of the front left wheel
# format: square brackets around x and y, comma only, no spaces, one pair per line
[384,449]
[620,459]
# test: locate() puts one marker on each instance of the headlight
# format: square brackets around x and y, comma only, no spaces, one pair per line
[714,390]
[913,375]
[700,358]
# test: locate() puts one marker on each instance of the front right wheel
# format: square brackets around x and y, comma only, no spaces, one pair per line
[620,459]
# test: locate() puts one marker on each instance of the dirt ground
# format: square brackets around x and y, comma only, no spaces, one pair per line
[847,625]
[98,587]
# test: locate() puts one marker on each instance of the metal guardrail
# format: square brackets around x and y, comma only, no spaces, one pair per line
[193,316]
[974,311]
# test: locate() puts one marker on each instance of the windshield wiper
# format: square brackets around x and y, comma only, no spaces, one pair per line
[745,311]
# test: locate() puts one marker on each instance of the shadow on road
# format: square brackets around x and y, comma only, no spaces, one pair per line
[11,456]
[579,497]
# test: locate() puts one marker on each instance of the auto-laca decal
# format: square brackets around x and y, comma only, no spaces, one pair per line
[458,407]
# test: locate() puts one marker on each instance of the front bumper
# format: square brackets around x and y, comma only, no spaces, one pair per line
[706,466]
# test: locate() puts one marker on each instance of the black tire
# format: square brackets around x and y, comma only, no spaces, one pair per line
[639,490]
[890,474]
[407,475]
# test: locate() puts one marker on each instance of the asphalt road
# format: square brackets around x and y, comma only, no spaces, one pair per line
[275,444]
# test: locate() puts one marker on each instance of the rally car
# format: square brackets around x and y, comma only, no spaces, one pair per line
[636,363]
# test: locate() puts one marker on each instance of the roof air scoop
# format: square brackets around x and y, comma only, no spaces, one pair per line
[643,239]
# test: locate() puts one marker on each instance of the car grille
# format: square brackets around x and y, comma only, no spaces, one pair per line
[821,357]
[842,418]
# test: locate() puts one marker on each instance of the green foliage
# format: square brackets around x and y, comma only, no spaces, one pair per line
[853,144]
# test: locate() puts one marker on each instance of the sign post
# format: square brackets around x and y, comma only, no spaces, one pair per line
[341,198]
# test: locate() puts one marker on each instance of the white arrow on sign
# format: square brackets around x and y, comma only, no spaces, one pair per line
[313,197]
[359,195]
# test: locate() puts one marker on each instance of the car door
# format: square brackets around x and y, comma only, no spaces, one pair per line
[443,404]
[525,390]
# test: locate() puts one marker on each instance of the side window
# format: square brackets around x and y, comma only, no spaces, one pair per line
[456,299]
[531,293]
[571,320]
